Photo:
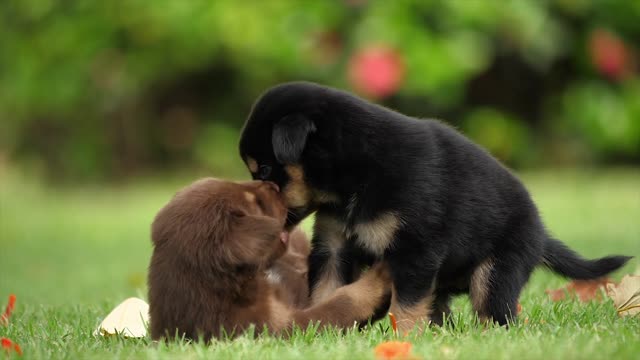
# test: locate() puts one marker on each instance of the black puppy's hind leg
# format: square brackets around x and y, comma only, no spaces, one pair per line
[495,287]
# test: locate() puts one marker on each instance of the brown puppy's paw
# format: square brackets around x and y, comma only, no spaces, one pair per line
[299,243]
[371,292]
[377,280]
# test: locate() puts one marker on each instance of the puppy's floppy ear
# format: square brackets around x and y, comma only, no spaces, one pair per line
[290,136]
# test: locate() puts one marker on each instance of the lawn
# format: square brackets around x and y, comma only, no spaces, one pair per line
[71,254]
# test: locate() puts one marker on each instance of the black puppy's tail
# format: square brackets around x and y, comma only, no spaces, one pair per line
[559,258]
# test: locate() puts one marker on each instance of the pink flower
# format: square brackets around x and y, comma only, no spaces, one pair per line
[609,54]
[376,71]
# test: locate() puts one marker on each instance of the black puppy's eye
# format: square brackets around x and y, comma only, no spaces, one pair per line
[264,171]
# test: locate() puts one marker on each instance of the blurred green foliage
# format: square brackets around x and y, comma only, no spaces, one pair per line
[103,89]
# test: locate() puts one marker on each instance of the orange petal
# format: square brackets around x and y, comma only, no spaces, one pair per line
[393,350]
[17,348]
[394,322]
[4,318]
[9,345]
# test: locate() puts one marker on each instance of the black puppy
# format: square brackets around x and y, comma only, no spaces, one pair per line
[446,215]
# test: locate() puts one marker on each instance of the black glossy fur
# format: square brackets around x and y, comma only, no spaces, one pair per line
[458,206]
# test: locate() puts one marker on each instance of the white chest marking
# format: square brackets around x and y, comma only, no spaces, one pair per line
[273,277]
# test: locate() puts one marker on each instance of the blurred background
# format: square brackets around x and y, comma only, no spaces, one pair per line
[101,90]
[107,107]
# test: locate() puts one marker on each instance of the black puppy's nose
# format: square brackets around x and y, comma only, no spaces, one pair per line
[274,186]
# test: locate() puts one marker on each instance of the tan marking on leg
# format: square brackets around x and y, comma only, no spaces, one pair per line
[251,197]
[377,235]
[409,316]
[479,287]
[252,164]
[334,239]
[332,228]
[296,192]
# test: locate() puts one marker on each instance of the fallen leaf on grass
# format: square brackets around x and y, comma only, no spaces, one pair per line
[4,319]
[128,319]
[394,350]
[584,290]
[9,346]
[626,295]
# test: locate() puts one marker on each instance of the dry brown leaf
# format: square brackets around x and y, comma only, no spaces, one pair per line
[584,290]
[626,295]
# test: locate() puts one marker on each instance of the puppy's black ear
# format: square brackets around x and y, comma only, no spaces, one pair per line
[290,136]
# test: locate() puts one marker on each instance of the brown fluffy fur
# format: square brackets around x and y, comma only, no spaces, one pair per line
[289,274]
[212,244]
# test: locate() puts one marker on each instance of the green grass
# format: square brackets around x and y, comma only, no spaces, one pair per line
[72,254]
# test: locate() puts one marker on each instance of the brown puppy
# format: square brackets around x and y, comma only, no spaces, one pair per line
[212,244]
[289,274]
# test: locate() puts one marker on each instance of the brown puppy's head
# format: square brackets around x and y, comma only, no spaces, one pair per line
[216,225]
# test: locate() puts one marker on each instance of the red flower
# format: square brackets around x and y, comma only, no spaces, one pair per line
[9,345]
[376,71]
[609,54]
